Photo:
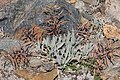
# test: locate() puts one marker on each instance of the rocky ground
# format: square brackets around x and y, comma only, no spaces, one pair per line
[59,40]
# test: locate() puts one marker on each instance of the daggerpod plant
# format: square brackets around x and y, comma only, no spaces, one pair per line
[65,48]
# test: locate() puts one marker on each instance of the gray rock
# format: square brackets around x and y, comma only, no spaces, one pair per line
[24,13]
[8,44]
[40,64]
[1,15]
[113,9]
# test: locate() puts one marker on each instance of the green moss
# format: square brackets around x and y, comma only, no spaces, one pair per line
[97,77]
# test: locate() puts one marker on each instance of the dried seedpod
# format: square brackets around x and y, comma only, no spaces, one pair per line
[55,19]
[29,36]
[55,23]
[103,55]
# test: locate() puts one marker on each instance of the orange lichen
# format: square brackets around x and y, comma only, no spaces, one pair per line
[111,31]
[37,76]
[71,1]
